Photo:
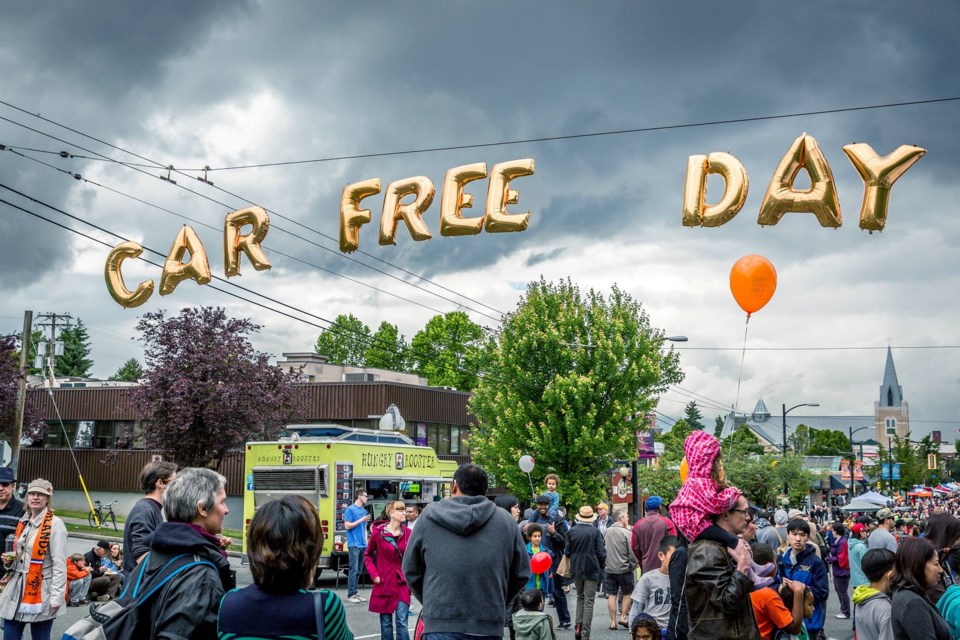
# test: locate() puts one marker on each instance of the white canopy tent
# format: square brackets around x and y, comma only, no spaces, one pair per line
[858,504]
[874,497]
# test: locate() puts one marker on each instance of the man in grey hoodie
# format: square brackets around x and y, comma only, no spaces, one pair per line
[465,559]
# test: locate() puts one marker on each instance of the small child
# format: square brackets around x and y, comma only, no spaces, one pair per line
[786,594]
[552,481]
[78,580]
[531,623]
[644,627]
[541,581]
[651,596]
[705,493]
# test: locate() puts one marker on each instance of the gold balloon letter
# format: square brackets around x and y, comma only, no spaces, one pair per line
[411,213]
[351,215]
[175,270]
[234,241]
[499,195]
[696,212]
[878,176]
[820,199]
[454,199]
[115,285]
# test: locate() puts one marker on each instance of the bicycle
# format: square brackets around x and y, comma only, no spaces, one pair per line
[101,513]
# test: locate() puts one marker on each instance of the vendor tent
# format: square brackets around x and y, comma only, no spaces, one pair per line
[859,504]
[875,498]
[920,493]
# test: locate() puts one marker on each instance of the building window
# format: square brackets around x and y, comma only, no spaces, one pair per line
[891,425]
[454,439]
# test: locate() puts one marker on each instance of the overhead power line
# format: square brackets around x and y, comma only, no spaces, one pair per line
[554,138]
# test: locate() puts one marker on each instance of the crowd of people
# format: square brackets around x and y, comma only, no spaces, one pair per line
[707,565]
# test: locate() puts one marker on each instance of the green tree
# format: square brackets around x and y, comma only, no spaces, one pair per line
[659,480]
[693,416]
[801,440]
[673,441]
[828,442]
[718,427]
[448,351]
[129,371]
[345,342]
[762,478]
[75,360]
[567,374]
[388,349]
[741,442]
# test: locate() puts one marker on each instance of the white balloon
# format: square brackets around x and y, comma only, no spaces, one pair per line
[526,464]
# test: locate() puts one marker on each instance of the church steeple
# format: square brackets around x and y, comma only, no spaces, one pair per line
[891,393]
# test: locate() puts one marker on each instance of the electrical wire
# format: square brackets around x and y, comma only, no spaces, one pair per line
[571,136]
[345,332]
[180,172]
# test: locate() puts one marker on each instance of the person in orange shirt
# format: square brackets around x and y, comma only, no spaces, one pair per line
[78,580]
[768,608]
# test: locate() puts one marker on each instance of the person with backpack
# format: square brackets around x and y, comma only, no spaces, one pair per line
[186,548]
[284,543]
[839,560]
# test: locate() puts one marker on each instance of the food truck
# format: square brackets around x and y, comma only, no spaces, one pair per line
[328,463]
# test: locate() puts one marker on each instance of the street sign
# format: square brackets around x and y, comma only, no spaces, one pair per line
[886,471]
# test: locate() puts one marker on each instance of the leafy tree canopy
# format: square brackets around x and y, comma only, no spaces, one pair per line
[567,374]
[10,377]
[75,360]
[345,342]
[387,349]
[673,440]
[828,442]
[741,442]
[129,371]
[448,351]
[207,390]
[801,440]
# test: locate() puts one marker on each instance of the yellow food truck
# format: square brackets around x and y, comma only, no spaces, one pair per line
[328,463]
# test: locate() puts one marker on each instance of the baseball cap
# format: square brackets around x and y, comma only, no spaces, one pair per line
[884,514]
[796,513]
[543,498]
[857,528]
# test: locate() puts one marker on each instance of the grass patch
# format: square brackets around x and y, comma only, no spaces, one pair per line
[70,513]
[108,532]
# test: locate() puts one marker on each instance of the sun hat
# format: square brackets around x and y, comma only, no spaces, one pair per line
[586,514]
[40,486]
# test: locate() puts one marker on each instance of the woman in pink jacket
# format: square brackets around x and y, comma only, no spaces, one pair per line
[391,595]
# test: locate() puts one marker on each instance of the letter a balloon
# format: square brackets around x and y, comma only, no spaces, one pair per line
[752,282]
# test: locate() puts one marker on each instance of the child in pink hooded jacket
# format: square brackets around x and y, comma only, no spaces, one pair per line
[705,493]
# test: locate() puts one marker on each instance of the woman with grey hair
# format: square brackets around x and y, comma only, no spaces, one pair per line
[195,504]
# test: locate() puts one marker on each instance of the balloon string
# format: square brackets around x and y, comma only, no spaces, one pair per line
[742,354]
[532,490]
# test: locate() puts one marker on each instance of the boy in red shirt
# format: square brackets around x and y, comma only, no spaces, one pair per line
[768,608]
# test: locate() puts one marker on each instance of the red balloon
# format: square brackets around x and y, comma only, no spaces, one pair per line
[540,562]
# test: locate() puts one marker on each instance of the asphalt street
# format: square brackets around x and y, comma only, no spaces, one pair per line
[366,625]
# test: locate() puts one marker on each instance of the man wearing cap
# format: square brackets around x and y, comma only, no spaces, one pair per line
[554,540]
[587,555]
[882,538]
[11,509]
[776,535]
[647,534]
[103,584]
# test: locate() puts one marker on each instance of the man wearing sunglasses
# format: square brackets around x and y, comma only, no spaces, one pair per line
[10,508]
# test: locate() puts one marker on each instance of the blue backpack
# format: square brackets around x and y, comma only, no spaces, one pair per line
[119,619]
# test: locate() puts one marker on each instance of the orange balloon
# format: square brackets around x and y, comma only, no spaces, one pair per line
[684,470]
[752,282]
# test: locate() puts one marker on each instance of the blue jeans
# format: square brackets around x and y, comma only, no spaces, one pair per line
[386,623]
[13,629]
[356,566]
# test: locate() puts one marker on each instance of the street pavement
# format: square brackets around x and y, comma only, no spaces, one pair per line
[366,625]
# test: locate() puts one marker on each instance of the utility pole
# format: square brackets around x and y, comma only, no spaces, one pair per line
[21,391]
[51,322]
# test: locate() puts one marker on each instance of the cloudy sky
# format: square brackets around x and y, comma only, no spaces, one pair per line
[222,84]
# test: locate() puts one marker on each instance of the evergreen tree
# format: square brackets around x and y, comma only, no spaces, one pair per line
[693,416]
[129,371]
[75,360]
[718,427]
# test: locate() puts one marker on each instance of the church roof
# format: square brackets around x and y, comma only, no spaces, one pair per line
[761,408]
[772,432]
[891,393]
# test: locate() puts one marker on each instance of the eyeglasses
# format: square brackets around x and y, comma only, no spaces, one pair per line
[744,511]
[5,484]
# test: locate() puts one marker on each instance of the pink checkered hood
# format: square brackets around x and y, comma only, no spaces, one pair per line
[700,496]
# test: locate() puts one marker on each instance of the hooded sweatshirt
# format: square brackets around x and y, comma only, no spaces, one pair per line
[533,625]
[872,614]
[465,559]
[856,549]
[807,568]
[949,608]
[700,496]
